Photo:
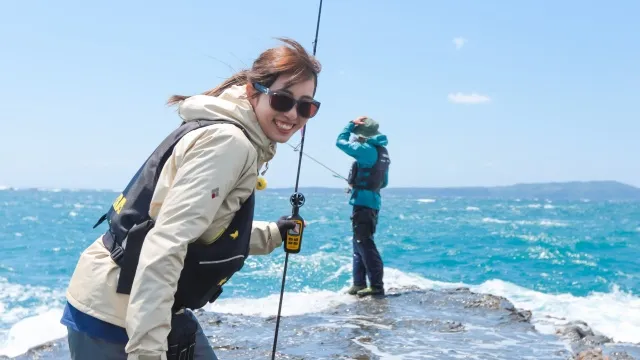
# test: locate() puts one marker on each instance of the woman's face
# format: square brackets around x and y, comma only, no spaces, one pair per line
[279,126]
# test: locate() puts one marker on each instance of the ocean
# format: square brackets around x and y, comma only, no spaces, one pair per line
[564,261]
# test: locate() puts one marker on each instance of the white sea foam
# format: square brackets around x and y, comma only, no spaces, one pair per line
[30,326]
[426,201]
[494,221]
[542,222]
[615,314]
[32,332]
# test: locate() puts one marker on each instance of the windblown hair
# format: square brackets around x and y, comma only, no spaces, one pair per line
[290,59]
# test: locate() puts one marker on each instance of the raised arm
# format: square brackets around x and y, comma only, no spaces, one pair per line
[351,148]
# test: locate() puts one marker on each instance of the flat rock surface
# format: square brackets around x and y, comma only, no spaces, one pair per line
[405,324]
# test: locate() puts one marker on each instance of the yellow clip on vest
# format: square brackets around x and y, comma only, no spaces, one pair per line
[261,184]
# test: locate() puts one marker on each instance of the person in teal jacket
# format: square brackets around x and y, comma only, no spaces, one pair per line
[369,173]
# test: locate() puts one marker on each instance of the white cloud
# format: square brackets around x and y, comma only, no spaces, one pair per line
[459,42]
[473,98]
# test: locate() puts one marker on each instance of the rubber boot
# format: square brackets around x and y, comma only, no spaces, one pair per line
[370,291]
[354,289]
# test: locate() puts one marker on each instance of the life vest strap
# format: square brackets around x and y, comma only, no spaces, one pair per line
[115,250]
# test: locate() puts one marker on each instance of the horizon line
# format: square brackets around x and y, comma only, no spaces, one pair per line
[5,187]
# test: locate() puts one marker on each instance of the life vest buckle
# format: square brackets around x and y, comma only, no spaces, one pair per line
[117,253]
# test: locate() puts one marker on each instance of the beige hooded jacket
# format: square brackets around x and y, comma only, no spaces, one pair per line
[218,157]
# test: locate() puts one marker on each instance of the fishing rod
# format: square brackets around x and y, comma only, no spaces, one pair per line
[294,236]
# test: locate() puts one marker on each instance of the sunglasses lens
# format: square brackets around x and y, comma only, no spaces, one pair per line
[284,102]
[307,109]
[281,102]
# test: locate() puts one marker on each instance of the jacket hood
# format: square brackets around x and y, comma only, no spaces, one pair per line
[379,140]
[231,105]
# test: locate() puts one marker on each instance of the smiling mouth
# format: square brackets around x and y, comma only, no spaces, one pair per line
[283,125]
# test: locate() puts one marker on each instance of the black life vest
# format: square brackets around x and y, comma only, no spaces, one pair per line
[370,178]
[206,267]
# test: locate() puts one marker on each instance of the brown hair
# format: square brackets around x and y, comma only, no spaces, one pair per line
[292,59]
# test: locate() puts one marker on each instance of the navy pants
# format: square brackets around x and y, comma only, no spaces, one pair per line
[85,347]
[367,262]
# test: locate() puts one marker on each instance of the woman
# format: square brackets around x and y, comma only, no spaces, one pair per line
[184,224]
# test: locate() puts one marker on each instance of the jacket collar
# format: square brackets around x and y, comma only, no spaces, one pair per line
[231,105]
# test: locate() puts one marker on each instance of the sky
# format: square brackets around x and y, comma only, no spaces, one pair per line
[468,93]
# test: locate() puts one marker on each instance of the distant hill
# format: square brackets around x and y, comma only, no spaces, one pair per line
[574,190]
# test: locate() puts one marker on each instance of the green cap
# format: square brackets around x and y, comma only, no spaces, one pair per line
[368,129]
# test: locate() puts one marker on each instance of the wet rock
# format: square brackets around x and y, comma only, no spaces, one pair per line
[489,301]
[575,331]
[620,355]
[360,357]
[521,315]
[555,318]
[591,354]
[226,347]
[214,322]
[452,326]
[50,351]
[595,340]
[397,290]
[580,332]
[597,354]
[365,340]
[587,344]
[438,324]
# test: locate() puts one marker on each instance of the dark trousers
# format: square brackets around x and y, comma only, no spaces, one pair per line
[85,347]
[367,262]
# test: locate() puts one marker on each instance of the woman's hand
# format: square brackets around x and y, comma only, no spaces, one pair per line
[284,225]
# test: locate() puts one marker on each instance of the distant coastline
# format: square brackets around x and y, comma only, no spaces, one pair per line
[571,190]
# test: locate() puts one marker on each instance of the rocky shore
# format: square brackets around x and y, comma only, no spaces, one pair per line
[406,324]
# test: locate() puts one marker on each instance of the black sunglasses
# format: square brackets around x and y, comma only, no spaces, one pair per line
[283,102]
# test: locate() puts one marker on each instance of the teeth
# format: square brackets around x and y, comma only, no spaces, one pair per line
[283,126]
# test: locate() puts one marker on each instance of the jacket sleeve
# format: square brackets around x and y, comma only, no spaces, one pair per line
[210,163]
[265,237]
[351,148]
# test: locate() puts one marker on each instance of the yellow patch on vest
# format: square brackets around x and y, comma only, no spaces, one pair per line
[234,235]
[119,203]
[222,281]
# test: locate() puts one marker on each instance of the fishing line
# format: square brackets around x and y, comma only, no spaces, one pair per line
[335,174]
[294,237]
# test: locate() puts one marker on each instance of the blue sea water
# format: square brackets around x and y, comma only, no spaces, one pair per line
[569,260]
